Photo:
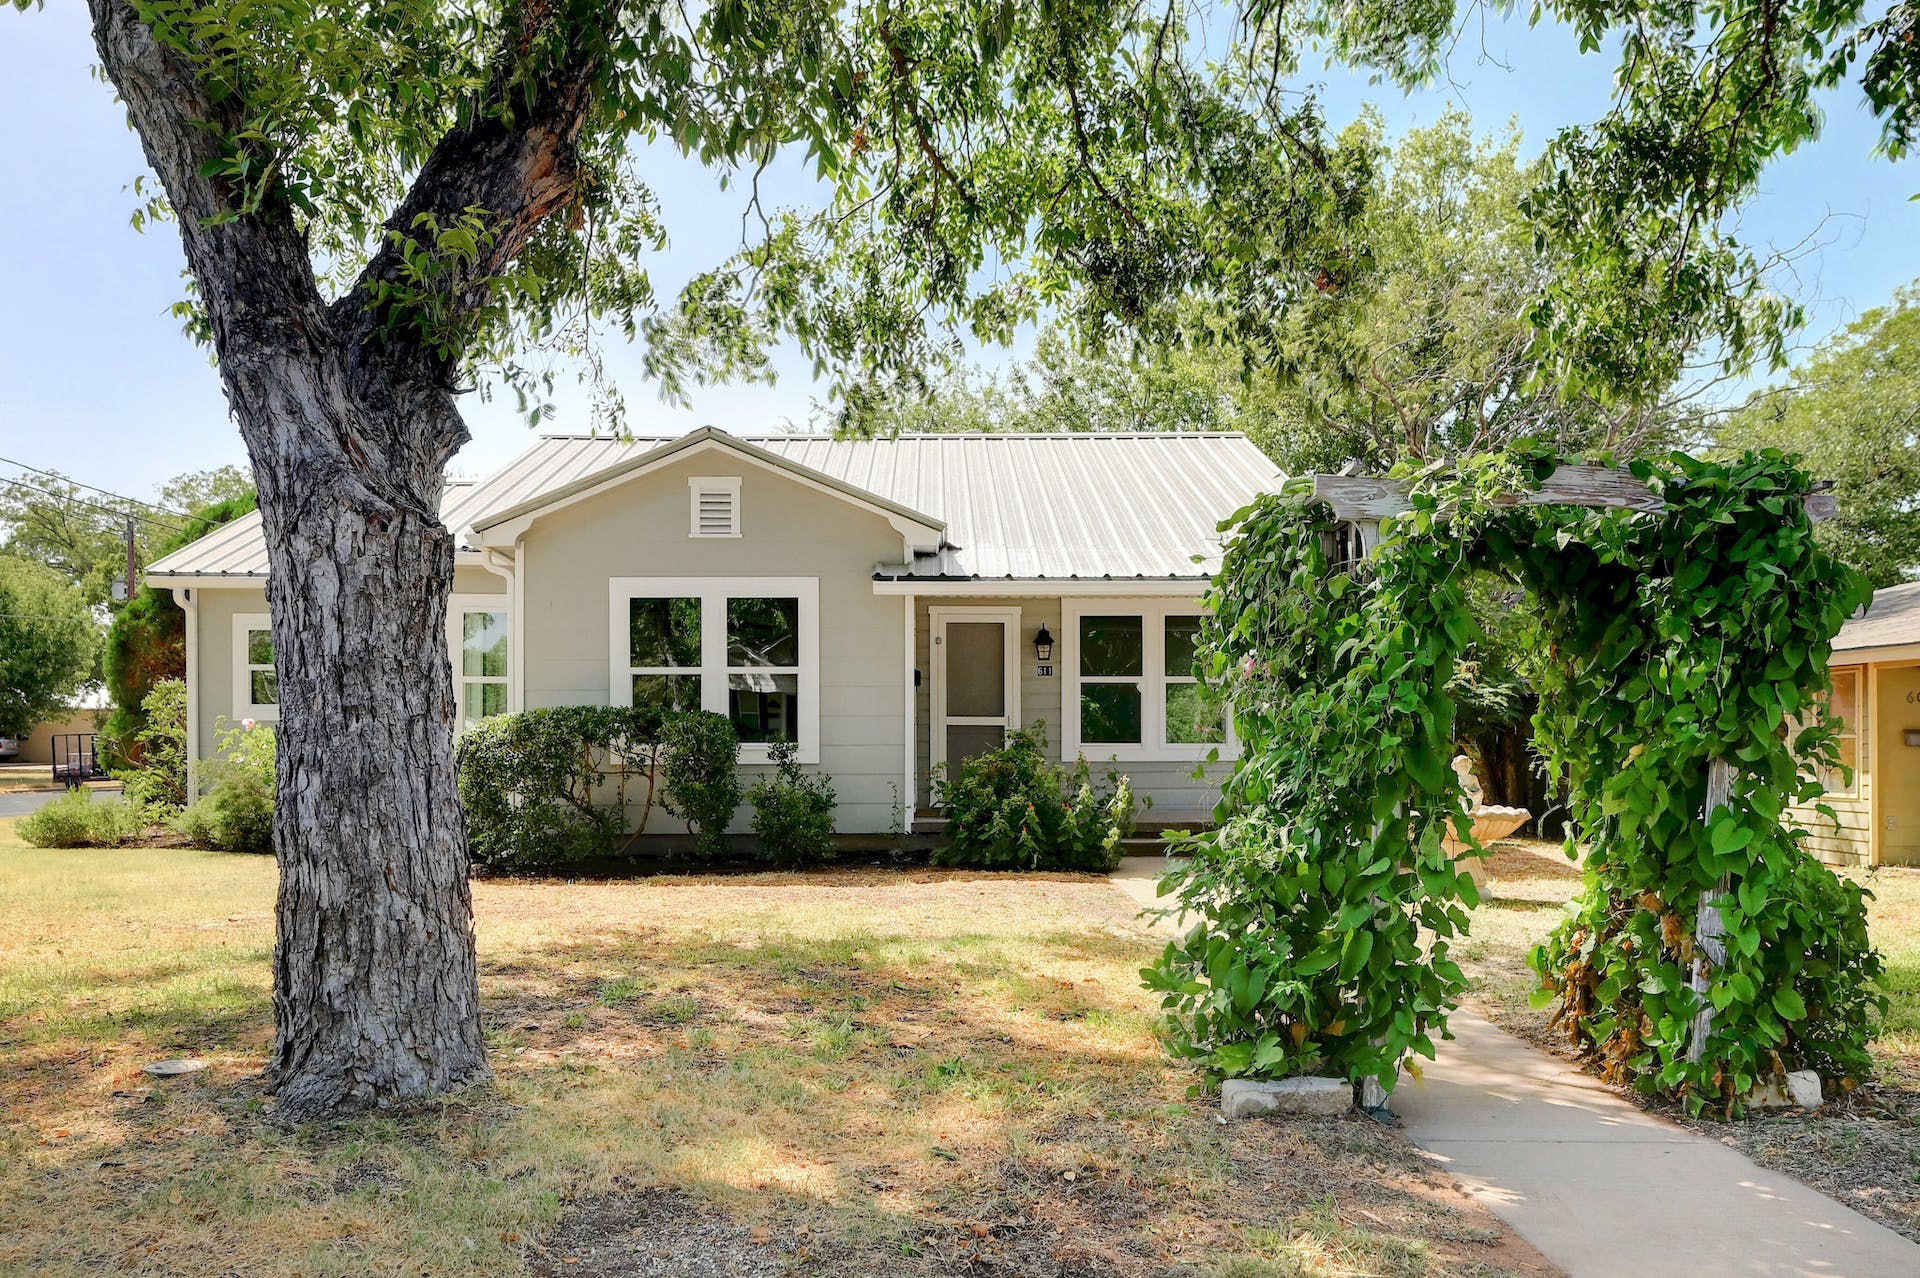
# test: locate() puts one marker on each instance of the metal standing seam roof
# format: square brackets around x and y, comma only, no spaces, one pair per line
[1017,507]
[1892,621]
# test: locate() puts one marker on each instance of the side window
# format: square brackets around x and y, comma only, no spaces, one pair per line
[480,663]
[256,684]
[1843,717]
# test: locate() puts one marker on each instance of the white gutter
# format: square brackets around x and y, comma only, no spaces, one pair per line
[1026,587]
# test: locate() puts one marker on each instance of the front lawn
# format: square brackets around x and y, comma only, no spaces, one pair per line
[1864,1151]
[852,1072]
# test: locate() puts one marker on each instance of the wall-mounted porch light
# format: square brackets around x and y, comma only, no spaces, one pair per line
[1043,645]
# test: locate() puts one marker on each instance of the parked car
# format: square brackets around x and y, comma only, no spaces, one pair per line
[9,748]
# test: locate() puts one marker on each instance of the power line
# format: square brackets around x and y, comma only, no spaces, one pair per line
[92,505]
[108,492]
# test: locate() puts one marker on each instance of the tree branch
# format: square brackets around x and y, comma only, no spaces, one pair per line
[256,275]
[518,163]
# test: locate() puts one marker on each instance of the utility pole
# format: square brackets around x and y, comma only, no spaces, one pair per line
[132,570]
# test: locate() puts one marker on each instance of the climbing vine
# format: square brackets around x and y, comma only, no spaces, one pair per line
[1323,907]
[1674,641]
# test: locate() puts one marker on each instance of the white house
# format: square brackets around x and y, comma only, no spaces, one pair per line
[888,604]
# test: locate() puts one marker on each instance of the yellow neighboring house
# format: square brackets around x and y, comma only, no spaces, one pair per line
[1876,696]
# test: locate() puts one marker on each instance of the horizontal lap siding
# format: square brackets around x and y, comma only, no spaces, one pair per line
[1850,844]
[787,530]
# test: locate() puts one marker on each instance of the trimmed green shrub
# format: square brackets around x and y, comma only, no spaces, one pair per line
[700,753]
[1012,809]
[528,782]
[235,811]
[159,782]
[793,812]
[76,820]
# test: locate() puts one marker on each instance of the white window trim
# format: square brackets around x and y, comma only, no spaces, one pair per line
[457,607]
[713,593]
[243,706]
[938,719]
[1153,747]
[699,484]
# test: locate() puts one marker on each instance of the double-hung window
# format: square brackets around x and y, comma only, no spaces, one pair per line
[478,636]
[256,685]
[1131,690]
[745,647]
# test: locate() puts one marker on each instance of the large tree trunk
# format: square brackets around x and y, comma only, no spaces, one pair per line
[350,422]
[376,995]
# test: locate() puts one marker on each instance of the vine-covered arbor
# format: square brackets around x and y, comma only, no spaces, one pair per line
[1684,614]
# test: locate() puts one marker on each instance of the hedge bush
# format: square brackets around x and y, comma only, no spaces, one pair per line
[528,782]
[793,812]
[1013,809]
[77,820]
[234,812]
[700,753]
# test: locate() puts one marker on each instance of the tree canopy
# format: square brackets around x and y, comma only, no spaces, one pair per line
[984,163]
[1853,412]
[1425,350]
[48,641]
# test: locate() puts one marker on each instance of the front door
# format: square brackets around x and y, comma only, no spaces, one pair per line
[976,681]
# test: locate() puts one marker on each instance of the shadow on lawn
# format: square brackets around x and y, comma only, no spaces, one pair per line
[870,1101]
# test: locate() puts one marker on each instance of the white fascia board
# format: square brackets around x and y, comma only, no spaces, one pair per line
[1889,655]
[206,580]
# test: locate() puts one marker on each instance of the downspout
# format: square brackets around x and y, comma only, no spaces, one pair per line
[184,596]
[908,799]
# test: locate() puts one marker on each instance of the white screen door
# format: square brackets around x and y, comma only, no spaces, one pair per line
[976,681]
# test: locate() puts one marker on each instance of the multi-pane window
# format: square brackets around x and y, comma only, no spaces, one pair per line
[742,647]
[1133,688]
[1191,718]
[663,652]
[763,667]
[1842,718]
[256,685]
[1113,679]
[480,669]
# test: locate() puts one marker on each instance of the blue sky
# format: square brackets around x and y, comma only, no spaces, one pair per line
[97,380]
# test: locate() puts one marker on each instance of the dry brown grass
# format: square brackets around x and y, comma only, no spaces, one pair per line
[856,1072]
[1864,1151]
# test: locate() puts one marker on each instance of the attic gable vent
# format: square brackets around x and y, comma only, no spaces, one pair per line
[716,506]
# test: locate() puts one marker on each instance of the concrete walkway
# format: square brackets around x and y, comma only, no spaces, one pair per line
[1606,1190]
[1601,1187]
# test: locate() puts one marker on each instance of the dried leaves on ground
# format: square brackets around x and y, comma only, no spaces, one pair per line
[848,1072]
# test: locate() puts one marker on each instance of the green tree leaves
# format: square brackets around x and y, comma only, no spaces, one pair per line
[47,643]
[1853,412]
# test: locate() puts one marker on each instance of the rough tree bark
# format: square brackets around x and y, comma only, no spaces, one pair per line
[376,995]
